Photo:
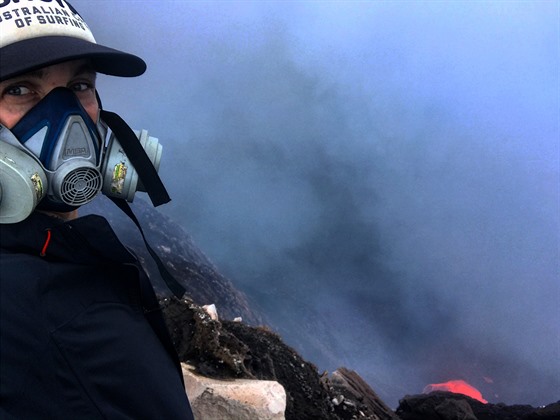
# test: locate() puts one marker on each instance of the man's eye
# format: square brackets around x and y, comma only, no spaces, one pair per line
[81,86]
[17,91]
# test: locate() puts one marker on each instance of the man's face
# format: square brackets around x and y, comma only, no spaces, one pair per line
[21,93]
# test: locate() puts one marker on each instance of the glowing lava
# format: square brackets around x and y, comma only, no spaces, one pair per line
[458,387]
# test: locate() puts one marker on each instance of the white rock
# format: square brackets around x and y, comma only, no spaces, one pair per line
[240,399]
[212,311]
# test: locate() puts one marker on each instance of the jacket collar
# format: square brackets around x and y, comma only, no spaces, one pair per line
[85,240]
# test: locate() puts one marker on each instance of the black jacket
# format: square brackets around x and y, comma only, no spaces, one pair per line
[81,333]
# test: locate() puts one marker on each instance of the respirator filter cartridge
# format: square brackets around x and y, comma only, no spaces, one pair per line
[23,184]
[120,178]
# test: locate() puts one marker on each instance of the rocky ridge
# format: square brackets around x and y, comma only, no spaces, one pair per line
[234,350]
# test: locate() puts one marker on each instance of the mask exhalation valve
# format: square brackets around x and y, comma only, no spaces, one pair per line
[77,185]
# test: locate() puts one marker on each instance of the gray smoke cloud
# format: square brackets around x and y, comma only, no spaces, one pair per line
[381,178]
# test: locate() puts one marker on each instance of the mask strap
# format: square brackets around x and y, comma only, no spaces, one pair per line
[141,162]
[98,100]
[171,282]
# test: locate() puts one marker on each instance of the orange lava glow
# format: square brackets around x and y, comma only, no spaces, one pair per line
[458,387]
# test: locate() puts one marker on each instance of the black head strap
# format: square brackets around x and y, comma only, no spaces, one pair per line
[135,152]
[171,282]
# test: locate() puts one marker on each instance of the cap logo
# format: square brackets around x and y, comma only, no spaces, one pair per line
[26,19]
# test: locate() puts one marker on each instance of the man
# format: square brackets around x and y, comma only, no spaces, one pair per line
[81,332]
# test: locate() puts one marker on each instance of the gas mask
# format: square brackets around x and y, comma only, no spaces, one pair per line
[57,158]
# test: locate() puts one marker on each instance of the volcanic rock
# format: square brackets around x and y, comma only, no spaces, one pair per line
[354,397]
[442,405]
[227,349]
[240,399]
[233,350]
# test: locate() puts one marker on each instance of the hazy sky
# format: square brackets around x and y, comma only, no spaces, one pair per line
[391,167]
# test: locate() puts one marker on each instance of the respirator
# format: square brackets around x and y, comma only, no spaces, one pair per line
[57,158]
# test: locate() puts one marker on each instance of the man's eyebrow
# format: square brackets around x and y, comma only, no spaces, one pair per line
[36,74]
[85,69]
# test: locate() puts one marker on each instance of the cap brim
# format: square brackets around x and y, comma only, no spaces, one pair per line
[32,54]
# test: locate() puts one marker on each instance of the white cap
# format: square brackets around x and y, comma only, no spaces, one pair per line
[36,34]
